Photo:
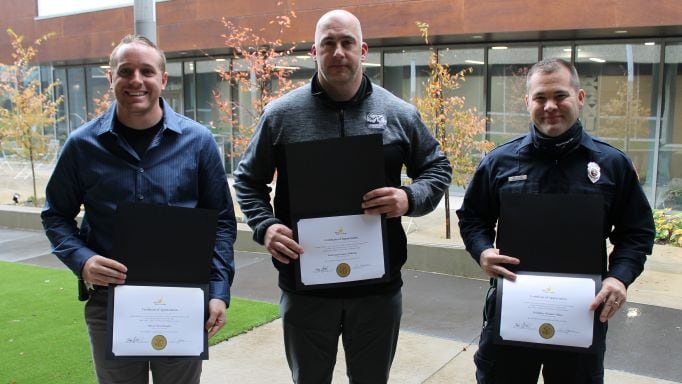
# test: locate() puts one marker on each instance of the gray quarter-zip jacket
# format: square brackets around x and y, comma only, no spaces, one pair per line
[306,114]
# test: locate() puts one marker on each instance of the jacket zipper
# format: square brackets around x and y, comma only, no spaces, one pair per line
[342,127]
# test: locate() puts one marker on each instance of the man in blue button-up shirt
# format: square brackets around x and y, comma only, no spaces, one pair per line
[139,150]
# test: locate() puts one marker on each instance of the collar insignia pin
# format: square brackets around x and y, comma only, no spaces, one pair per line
[593,171]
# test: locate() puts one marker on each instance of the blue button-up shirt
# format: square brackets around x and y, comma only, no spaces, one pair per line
[98,169]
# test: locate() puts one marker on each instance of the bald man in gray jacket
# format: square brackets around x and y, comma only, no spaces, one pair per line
[340,101]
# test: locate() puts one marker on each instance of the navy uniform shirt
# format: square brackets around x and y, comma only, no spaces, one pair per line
[519,166]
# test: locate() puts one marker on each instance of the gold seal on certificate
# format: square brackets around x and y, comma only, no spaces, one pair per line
[343,270]
[159,342]
[546,331]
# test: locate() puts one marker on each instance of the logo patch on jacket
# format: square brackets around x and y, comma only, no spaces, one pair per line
[376,121]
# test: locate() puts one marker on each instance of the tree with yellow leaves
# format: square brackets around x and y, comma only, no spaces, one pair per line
[458,130]
[261,67]
[27,106]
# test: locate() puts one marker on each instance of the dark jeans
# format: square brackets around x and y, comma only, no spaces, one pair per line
[368,326]
[504,364]
[164,371]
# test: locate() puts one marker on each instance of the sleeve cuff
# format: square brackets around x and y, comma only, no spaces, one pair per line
[219,290]
[259,232]
[410,199]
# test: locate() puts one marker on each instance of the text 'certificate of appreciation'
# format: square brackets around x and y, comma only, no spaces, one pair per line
[548,310]
[341,249]
[158,321]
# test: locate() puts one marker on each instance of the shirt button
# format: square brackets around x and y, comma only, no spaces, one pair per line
[140,197]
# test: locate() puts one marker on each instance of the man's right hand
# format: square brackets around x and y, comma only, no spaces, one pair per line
[279,241]
[100,270]
[492,264]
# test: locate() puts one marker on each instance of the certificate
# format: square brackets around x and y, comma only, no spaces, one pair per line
[341,249]
[326,181]
[547,309]
[157,321]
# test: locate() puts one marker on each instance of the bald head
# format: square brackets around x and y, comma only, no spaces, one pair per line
[338,17]
[339,52]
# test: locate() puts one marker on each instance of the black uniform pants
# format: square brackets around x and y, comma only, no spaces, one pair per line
[504,364]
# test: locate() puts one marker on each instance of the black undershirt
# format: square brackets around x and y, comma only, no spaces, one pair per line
[139,139]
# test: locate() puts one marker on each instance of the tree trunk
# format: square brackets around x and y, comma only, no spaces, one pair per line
[35,190]
[447,213]
[33,175]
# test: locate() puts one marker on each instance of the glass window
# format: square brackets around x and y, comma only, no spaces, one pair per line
[173,92]
[99,97]
[245,99]
[669,191]
[61,128]
[45,81]
[405,73]
[77,106]
[372,66]
[561,52]
[301,68]
[620,103]
[208,86]
[508,117]
[189,90]
[207,82]
[472,87]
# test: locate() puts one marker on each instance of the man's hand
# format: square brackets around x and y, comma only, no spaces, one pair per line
[100,270]
[390,201]
[279,241]
[216,316]
[492,264]
[613,295]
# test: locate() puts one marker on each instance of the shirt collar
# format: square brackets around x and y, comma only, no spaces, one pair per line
[585,140]
[362,93]
[170,121]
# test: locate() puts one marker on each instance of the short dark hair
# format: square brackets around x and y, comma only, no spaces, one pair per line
[552,65]
[137,39]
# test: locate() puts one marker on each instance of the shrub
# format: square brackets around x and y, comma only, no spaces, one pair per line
[668,227]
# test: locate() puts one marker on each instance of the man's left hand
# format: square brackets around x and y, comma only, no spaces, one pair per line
[390,201]
[613,295]
[216,316]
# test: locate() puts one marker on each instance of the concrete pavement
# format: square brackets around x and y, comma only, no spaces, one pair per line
[441,322]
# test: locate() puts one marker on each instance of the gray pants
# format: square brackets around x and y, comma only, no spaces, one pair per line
[164,371]
[368,326]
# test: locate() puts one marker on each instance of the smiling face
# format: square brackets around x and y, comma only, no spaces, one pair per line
[137,79]
[339,52]
[553,102]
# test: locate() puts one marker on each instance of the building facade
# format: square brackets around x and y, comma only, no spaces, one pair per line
[628,54]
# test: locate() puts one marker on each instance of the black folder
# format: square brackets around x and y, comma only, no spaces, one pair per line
[561,233]
[165,244]
[329,178]
[553,234]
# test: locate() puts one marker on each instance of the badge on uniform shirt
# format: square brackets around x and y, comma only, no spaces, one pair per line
[593,171]
[517,178]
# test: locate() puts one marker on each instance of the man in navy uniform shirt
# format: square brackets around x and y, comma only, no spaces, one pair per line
[556,157]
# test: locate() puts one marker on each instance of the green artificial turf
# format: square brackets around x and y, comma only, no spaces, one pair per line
[43,338]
